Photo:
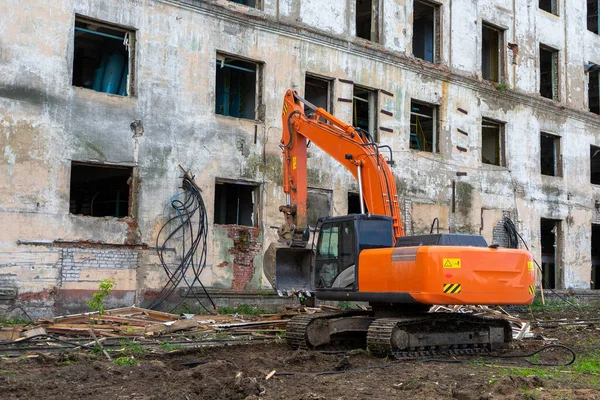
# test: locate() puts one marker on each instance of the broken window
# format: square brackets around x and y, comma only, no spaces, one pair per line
[249,3]
[594,89]
[99,190]
[549,6]
[492,142]
[367,17]
[491,56]
[318,92]
[595,165]
[549,72]
[550,229]
[550,154]
[592,16]
[595,257]
[102,58]
[364,114]
[423,127]
[318,205]
[354,203]
[237,87]
[425,31]
[235,203]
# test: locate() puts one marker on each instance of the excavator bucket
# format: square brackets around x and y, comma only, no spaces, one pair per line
[293,269]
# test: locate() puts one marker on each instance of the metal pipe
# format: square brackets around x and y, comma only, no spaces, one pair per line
[360,191]
[235,67]
[99,33]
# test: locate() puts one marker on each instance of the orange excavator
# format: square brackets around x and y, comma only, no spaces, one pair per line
[367,258]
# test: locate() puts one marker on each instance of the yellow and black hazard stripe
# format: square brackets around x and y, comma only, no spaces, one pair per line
[285,108]
[453,288]
[531,289]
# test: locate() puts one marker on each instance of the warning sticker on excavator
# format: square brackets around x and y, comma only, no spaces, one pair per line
[451,263]
[530,265]
[293,162]
[285,108]
[452,288]
[531,289]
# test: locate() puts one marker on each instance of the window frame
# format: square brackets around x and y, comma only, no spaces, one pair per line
[594,150]
[435,140]
[330,89]
[375,36]
[587,17]
[501,141]
[556,71]
[437,30]
[554,8]
[501,55]
[373,102]
[130,35]
[259,108]
[256,217]
[556,148]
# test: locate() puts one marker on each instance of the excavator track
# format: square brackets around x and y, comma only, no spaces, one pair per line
[298,329]
[431,334]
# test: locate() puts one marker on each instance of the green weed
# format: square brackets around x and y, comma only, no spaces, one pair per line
[97,301]
[344,305]
[242,309]
[131,348]
[126,361]
[170,346]
[14,321]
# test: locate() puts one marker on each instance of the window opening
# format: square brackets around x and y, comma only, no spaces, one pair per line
[366,19]
[364,110]
[318,92]
[594,90]
[550,154]
[102,57]
[235,204]
[549,237]
[549,6]
[595,257]
[423,127]
[492,142]
[249,3]
[549,73]
[491,65]
[100,191]
[354,203]
[318,205]
[595,165]
[592,16]
[236,87]
[425,30]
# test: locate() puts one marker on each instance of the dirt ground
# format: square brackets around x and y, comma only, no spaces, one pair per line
[239,372]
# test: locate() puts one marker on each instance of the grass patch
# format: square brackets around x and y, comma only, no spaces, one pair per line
[14,321]
[7,373]
[131,348]
[126,361]
[170,346]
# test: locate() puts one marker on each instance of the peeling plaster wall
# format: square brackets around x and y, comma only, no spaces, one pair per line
[45,123]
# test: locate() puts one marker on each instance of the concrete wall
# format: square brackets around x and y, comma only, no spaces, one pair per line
[47,254]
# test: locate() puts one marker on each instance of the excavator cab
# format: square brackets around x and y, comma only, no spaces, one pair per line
[332,265]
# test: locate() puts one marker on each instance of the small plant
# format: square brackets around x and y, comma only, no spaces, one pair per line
[131,348]
[126,361]
[344,305]
[502,86]
[170,346]
[14,321]
[221,336]
[242,309]
[97,301]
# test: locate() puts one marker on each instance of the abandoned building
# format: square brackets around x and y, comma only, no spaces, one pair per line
[490,108]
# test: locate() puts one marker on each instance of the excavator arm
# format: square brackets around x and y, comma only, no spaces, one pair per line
[351,147]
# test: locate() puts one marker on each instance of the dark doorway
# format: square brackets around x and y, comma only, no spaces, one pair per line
[550,229]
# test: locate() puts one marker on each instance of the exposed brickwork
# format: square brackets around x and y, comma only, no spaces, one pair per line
[246,245]
[74,260]
[500,235]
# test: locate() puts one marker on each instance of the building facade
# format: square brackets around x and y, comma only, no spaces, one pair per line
[489,108]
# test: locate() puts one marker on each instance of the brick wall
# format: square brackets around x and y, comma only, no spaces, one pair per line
[74,260]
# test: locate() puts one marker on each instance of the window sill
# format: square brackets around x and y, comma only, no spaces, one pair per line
[91,93]
[493,167]
[554,177]
[241,120]
[426,154]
